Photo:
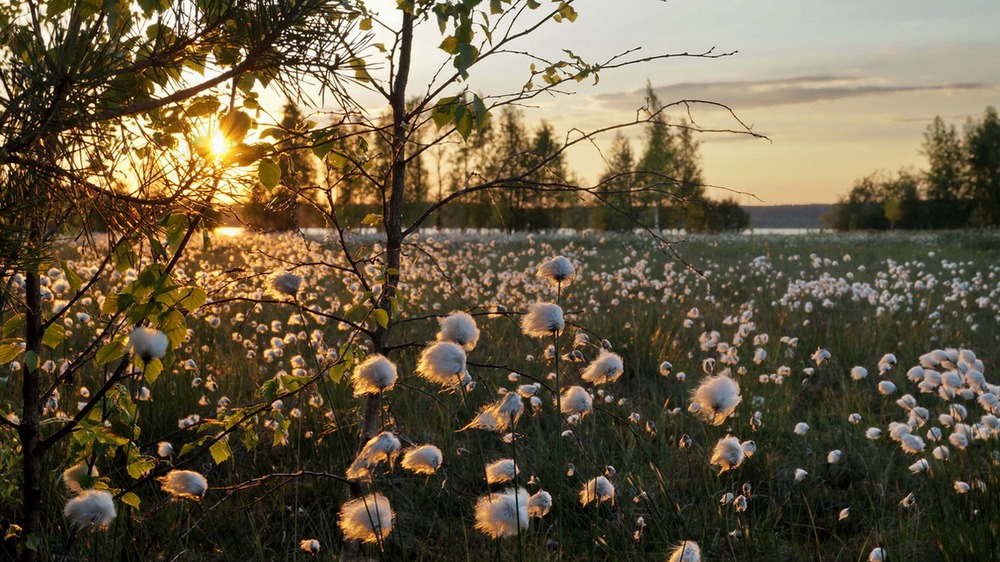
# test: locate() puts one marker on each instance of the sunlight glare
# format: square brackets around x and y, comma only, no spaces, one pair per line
[219,144]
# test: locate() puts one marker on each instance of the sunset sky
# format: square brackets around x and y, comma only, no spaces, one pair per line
[841,88]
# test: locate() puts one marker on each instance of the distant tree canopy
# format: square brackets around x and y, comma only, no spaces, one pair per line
[960,189]
[660,185]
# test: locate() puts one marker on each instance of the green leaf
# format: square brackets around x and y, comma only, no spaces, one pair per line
[54,335]
[74,280]
[13,325]
[151,371]
[293,383]
[269,390]
[8,352]
[449,45]
[130,499]
[123,256]
[193,297]
[220,451]
[113,350]
[31,361]
[365,24]
[337,372]
[372,220]
[268,173]
[381,317]
[140,466]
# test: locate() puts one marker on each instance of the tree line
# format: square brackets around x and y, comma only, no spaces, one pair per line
[960,189]
[658,186]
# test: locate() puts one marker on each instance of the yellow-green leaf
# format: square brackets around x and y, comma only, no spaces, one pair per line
[151,371]
[268,173]
[13,325]
[8,352]
[111,351]
[31,361]
[220,451]
[54,335]
[130,499]
[382,317]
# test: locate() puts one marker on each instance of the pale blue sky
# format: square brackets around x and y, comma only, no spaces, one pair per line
[842,88]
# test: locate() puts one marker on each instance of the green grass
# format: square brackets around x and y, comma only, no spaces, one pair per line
[637,298]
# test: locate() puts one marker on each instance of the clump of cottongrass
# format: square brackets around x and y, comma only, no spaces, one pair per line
[309,545]
[73,477]
[503,470]
[728,454]
[442,363]
[500,415]
[557,270]
[368,518]
[374,375]
[597,490]
[687,551]
[283,284]
[543,319]
[425,459]
[606,368]
[503,514]
[539,504]
[459,327]
[92,509]
[382,447]
[184,484]
[716,398]
[575,400]
[147,343]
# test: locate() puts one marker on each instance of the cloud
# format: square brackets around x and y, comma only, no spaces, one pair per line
[778,92]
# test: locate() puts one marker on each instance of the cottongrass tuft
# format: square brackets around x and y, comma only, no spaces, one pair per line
[382,447]
[459,327]
[716,397]
[687,551]
[309,545]
[877,555]
[184,484]
[367,519]
[92,509]
[147,343]
[375,374]
[503,514]
[557,269]
[605,369]
[500,415]
[543,319]
[503,470]
[539,504]
[728,454]
[74,476]
[283,284]
[425,459]
[576,400]
[442,363]
[597,490]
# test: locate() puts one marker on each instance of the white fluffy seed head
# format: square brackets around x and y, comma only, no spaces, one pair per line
[543,319]
[442,363]
[503,514]
[717,397]
[147,343]
[382,448]
[501,471]
[727,454]
[91,509]
[606,368]
[184,484]
[283,284]
[375,374]
[557,270]
[575,400]
[539,504]
[425,459]
[78,477]
[597,490]
[459,327]
[309,545]
[687,551]
[367,519]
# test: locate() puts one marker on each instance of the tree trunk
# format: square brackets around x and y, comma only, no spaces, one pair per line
[31,463]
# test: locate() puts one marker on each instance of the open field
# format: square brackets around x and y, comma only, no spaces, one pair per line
[818,485]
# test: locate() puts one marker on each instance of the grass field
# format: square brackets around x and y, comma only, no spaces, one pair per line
[755,308]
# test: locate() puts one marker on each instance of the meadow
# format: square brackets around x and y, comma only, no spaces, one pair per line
[832,462]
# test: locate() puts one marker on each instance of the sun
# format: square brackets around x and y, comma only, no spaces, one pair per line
[219,145]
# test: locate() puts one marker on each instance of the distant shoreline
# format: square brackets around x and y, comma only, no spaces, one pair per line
[787,216]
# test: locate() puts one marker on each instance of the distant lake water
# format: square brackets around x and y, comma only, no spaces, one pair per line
[320,233]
